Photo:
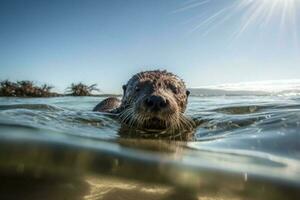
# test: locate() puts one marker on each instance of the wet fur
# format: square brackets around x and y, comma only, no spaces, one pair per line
[132,113]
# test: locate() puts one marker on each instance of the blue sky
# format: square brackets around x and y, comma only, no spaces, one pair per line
[106,42]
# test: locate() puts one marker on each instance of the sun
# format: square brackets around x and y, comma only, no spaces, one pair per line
[256,14]
[262,12]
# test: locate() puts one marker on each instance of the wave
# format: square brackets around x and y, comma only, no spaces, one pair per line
[44,107]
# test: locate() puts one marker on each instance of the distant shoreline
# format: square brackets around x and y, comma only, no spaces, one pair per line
[64,95]
[26,88]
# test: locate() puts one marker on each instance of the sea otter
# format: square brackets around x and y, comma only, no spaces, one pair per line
[151,100]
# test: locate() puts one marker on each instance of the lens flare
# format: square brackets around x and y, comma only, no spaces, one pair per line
[262,12]
[258,14]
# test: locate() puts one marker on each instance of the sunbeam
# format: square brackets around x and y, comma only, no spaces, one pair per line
[258,14]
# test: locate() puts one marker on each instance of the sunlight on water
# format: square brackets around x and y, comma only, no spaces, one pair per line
[277,86]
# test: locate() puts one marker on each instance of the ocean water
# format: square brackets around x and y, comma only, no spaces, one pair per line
[246,146]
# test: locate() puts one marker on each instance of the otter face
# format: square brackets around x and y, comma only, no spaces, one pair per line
[155,100]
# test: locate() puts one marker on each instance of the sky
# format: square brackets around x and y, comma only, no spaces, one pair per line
[205,42]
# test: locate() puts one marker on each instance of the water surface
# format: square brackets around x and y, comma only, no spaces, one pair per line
[246,147]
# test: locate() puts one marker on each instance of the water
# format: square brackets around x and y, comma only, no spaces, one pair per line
[246,147]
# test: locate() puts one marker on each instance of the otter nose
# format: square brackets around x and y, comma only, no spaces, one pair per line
[155,102]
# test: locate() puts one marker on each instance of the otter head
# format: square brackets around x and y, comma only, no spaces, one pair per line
[155,100]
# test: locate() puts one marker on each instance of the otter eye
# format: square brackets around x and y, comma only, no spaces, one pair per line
[137,89]
[124,87]
[174,89]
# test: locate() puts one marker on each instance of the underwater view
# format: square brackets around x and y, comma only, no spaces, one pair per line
[245,146]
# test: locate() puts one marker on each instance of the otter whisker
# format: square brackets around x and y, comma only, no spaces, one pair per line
[182,120]
[190,123]
[128,119]
[133,120]
[183,123]
[123,116]
[172,123]
[137,121]
[126,116]
[124,111]
[144,121]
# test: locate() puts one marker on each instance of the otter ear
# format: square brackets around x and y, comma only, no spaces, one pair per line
[188,93]
[124,88]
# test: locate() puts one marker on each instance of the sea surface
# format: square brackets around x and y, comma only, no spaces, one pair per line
[246,146]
